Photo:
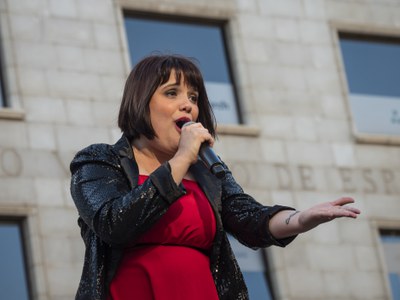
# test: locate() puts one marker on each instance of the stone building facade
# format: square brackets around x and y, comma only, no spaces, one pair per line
[64,65]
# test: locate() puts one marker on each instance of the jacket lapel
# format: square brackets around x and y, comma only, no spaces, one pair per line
[128,163]
[210,184]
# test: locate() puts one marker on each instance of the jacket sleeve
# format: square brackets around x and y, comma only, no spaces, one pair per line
[246,219]
[108,205]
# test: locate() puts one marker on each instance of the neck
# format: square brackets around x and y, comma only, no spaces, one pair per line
[147,158]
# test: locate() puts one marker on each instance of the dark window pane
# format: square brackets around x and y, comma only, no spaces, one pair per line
[194,40]
[254,270]
[390,240]
[258,289]
[372,66]
[13,284]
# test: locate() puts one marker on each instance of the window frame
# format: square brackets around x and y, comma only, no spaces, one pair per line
[21,223]
[4,103]
[367,34]
[381,231]
[195,20]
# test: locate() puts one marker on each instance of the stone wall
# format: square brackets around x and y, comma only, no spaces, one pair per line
[65,64]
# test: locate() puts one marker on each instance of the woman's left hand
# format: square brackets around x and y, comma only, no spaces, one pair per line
[288,222]
[327,211]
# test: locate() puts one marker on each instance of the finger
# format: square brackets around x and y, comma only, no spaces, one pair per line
[347,211]
[343,201]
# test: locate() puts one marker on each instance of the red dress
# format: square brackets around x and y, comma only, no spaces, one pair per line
[169,262]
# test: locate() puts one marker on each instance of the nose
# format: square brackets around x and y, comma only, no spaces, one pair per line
[186,106]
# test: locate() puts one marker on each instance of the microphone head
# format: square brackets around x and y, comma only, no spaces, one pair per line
[187,123]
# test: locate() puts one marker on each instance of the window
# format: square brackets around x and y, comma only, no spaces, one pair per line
[254,269]
[2,94]
[203,41]
[372,66]
[390,240]
[13,277]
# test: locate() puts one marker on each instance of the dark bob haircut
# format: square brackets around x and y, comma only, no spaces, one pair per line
[148,74]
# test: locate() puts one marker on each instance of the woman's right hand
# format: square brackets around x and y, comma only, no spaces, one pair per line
[192,136]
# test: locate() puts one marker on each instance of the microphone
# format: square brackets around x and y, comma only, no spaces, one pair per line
[209,158]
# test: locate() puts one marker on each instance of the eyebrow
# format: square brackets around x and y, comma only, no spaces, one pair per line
[177,84]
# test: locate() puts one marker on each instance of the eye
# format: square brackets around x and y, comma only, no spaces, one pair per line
[171,93]
[194,98]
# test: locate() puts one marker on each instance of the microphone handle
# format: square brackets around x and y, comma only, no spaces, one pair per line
[211,160]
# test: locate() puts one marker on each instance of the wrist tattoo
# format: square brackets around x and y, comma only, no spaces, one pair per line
[291,215]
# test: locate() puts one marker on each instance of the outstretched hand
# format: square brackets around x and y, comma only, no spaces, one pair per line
[288,222]
[327,211]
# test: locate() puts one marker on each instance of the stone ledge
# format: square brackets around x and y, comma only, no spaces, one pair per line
[242,130]
[377,139]
[12,114]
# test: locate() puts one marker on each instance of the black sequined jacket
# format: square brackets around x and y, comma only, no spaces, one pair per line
[114,211]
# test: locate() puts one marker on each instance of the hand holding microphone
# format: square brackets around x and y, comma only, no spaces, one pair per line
[209,158]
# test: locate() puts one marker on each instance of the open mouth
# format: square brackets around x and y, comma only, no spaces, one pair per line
[180,122]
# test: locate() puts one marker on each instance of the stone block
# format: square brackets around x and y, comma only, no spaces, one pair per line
[322,81]
[366,155]
[13,134]
[17,191]
[49,192]
[95,10]
[255,26]
[273,151]
[79,112]
[305,283]
[72,84]
[35,55]
[57,221]
[334,105]
[277,126]
[287,29]
[103,61]
[314,154]
[107,36]
[347,11]
[30,82]
[70,32]
[105,113]
[368,285]
[257,50]
[70,58]
[63,280]
[332,258]
[315,32]
[41,136]
[291,54]
[292,79]
[288,8]
[247,151]
[314,9]
[333,130]
[113,87]
[26,27]
[45,109]
[71,138]
[63,8]
[322,57]
[305,129]
[344,155]
[26,6]
[384,208]
[282,198]
[40,163]
[247,5]
[367,258]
